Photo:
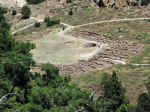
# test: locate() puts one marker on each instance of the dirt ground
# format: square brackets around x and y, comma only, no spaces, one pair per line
[61,50]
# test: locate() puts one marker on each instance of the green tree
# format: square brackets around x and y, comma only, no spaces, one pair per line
[113,93]
[70,12]
[46,92]
[26,12]
[3,23]
[35,1]
[51,21]
[144,100]
[15,60]
[14,12]
[123,108]
[37,24]
[68,1]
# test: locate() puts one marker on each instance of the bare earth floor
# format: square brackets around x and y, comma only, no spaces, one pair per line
[62,50]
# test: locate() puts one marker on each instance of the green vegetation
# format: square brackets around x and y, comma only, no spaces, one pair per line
[26,12]
[37,24]
[28,32]
[51,21]
[144,100]
[35,1]
[132,77]
[113,94]
[14,12]
[70,12]
[24,91]
[68,1]
[90,14]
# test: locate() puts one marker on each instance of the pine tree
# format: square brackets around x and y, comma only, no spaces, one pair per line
[113,93]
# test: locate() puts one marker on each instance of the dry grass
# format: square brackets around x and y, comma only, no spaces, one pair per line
[137,30]
[132,77]
[91,14]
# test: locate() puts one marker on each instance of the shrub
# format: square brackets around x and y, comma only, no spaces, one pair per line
[132,108]
[70,12]
[35,1]
[68,1]
[143,103]
[113,93]
[14,12]
[46,19]
[37,24]
[51,21]
[26,12]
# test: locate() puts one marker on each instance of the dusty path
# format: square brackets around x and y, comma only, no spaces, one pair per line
[24,28]
[69,27]
[110,21]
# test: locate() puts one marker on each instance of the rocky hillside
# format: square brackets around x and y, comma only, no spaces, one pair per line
[95,3]
[119,3]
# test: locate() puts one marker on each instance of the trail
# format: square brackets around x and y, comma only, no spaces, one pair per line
[114,20]
[62,33]
[24,28]
[69,27]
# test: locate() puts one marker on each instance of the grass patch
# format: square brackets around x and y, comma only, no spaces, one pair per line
[143,58]
[35,29]
[90,14]
[132,77]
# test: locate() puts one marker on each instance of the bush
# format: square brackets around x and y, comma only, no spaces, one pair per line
[46,19]
[143,103]
[35,1]
[132,108]
[51,21]
[14,12]
[123,108]
[68,1]
[70,12]
[37,24]
[113,94]
[26,12]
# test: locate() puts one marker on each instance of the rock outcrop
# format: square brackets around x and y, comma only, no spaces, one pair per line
[119,3]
